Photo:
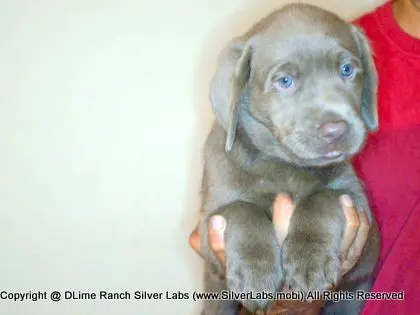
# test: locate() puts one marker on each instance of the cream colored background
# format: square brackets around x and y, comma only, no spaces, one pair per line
[103,111]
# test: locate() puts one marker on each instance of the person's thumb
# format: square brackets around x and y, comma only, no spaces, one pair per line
[216,237]
[282,212]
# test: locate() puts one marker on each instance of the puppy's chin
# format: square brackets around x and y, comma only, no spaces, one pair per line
[318,160]
[326,160]
[313,156]
[311,152]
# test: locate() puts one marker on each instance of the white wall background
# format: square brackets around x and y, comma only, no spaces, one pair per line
[103,111]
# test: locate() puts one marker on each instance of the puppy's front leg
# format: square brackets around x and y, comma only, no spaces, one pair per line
[311,249]
[252,257]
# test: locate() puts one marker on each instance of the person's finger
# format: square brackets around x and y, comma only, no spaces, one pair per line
[216,237]
[282,212]
[194,240]
[352,224]
[361,238]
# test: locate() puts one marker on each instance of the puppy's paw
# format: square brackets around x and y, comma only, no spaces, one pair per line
[254,278]
[309,265]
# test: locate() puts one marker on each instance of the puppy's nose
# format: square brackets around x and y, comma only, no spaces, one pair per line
[332,131]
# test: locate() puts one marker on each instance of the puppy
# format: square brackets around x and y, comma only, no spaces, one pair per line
[294,98]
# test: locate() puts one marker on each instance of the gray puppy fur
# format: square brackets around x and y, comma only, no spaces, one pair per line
[294,98]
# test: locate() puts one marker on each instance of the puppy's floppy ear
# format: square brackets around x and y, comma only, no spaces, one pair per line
[228,86]
[369,109]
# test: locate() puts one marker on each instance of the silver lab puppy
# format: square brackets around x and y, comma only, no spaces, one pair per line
[294,98]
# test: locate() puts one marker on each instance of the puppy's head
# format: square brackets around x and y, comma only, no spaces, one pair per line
[301,83]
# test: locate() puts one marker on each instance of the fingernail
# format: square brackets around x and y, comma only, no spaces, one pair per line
[346,201]
[218,223]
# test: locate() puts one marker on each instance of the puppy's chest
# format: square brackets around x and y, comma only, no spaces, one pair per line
[291,185]
[265,183]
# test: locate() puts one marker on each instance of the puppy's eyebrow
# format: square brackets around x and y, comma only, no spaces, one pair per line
[282,67]
[347,56]
[344,53]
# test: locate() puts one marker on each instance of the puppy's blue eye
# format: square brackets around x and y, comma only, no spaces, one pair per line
[286,82]
[346,70]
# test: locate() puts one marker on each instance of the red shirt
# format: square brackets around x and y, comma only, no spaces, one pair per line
[390,163]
